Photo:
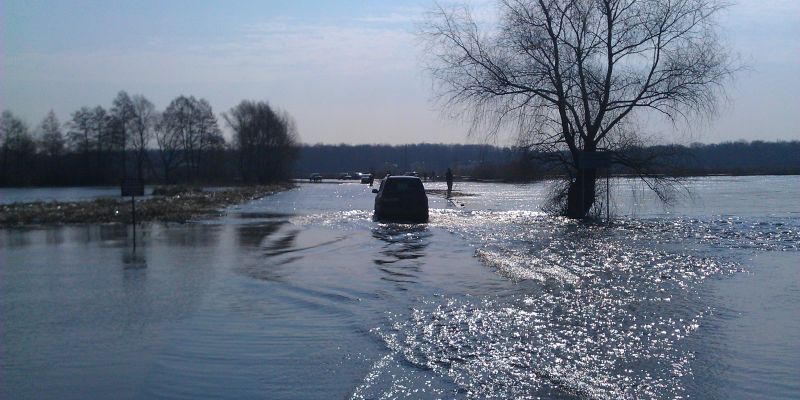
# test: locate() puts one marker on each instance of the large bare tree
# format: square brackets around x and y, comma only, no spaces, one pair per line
[190,122]
[572,75]
[266,140]
[169,144]
[142,126]
[52,139]
[17,150]
[52,143]
[122,117]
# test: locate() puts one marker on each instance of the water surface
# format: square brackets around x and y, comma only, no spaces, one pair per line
[27,195]
[302,295]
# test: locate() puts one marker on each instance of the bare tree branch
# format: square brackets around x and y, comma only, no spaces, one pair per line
[568,74]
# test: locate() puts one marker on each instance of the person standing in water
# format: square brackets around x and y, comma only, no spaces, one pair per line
[449,177]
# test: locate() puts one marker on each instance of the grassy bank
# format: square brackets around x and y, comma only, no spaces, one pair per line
[179,205]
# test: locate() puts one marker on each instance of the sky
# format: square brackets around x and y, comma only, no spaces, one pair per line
[349,71]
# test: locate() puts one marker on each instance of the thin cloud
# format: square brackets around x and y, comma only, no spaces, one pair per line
[278,49]
[338,49]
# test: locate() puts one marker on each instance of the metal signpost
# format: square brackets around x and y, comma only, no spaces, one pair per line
[132,187]
[598,160]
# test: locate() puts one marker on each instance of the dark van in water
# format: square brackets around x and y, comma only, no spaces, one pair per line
[401,199]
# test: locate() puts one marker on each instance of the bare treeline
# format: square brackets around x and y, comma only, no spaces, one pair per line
[181,144]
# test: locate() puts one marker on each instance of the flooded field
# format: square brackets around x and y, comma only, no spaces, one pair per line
[302,295]
[27,195]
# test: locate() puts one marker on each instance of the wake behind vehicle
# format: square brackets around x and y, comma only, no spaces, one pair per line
[401,199]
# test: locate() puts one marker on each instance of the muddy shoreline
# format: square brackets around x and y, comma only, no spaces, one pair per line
[179,205]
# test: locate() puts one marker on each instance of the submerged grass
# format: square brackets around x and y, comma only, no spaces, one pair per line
[178,205]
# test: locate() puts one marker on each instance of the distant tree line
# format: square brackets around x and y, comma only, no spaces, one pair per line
[184,144]
[421,158]
[735,158]
[131,139]
[520,164]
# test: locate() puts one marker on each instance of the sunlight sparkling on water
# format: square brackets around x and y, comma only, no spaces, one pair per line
[596,327]
[303,295]
[606,318]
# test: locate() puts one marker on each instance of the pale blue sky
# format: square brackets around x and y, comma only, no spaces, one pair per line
[349,71]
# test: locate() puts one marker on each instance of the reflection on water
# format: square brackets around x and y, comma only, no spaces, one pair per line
[81,318]
[134,260]
[253,235]
[302,295]
[262,238]
[54,237]
[188,236]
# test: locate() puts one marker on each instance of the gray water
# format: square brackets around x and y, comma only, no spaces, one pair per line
[302,295]
[27,195]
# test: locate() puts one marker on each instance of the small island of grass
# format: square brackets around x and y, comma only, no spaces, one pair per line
[169,204]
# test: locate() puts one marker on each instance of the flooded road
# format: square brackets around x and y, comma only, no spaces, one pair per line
[302,295]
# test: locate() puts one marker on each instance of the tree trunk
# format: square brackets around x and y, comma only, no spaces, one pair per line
[166,173]
[3,173]
[580,196]
[140,164]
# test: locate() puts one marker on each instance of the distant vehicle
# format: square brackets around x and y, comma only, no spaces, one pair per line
[315,177]
[344,175]
[401,199]
[365,178]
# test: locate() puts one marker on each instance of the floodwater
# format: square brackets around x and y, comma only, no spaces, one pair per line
[302,295]
[27,195]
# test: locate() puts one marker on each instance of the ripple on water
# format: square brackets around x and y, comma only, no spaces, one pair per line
[605,314]
[606,319]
